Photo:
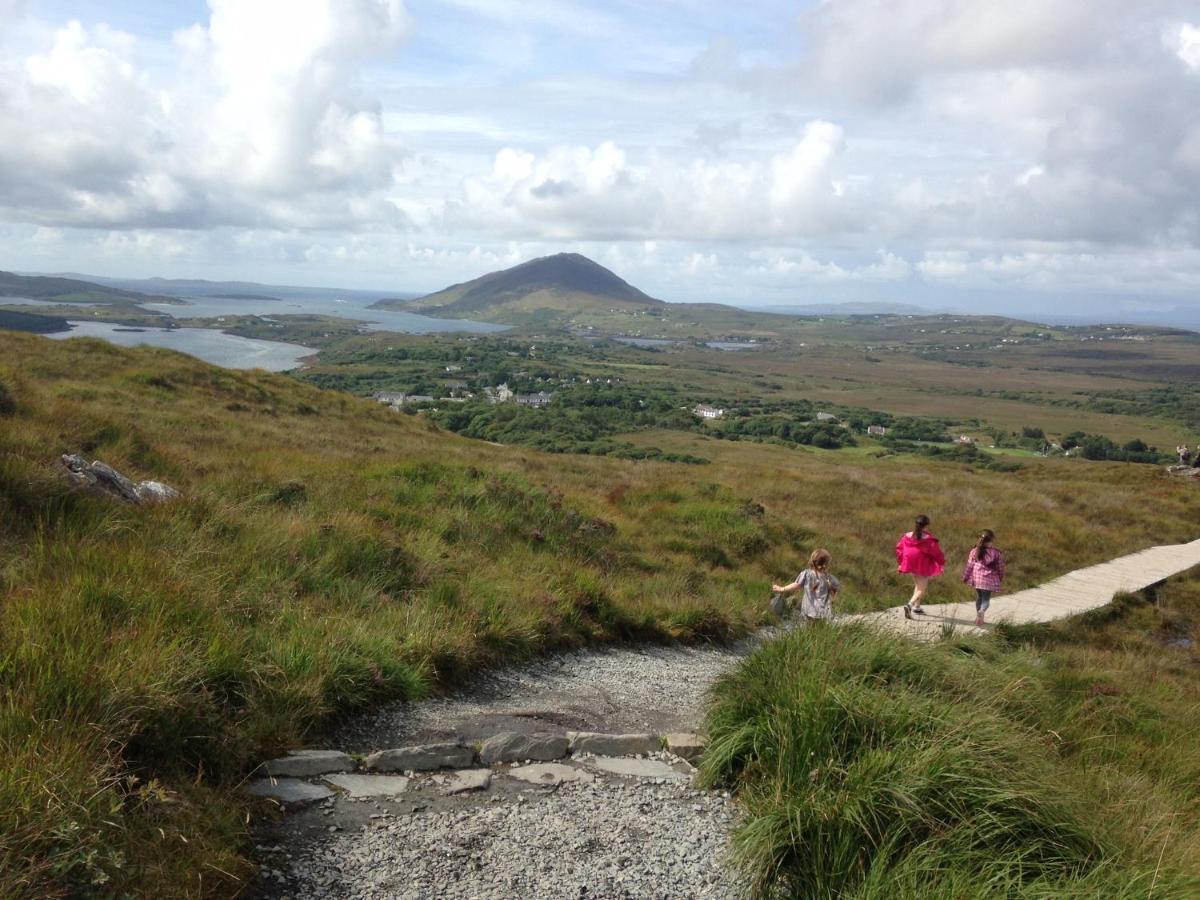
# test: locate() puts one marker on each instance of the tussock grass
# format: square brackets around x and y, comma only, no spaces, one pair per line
[328,554]
[1030,767]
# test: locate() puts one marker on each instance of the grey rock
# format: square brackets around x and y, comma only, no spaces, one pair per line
[613,744]
[287,790]
[421,758]
[637,768]
[550,774]
[369,785]
[101,478]
[510,746]
[306,763]
[466,780]
[156,492]
[686,745]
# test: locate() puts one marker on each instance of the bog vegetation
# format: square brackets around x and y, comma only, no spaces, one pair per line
[1056,761]
[328,553]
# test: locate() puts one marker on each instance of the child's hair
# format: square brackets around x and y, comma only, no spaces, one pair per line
[985,540]
[820,560]
[921,524]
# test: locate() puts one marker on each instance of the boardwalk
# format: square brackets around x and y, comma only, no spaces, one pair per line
[1068,595]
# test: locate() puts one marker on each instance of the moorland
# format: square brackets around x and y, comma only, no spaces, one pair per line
[330,552]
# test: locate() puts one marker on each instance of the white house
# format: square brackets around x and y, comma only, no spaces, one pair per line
[876,430]
[705,411]
[826,417]
[964,439]
[540,399]
[500,394]
[391,398]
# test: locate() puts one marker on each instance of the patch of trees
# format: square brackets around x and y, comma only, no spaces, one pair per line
[1099,447]
[961,453]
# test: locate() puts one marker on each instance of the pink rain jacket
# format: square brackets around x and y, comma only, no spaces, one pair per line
[923,557]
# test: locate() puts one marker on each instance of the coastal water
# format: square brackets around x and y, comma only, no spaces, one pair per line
[235,352]
[343,307]
[227,350]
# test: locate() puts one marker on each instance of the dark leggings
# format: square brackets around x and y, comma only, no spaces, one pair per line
[982,599]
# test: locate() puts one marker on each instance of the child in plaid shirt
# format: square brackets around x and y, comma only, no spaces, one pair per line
[984,571]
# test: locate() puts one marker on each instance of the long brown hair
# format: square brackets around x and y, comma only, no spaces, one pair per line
[921,524]
[981,546]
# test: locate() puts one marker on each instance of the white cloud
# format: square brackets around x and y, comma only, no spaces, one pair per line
[1187,45]
[263,121]
[582,192]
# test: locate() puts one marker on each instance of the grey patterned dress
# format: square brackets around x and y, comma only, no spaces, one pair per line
[819,589]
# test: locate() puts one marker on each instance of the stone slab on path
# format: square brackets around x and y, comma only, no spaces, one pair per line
[511,746]
[467,780]
[550,774]
[421,758]
[307,763]
[369,785]
[613,744]
[636,768]
[287,790]
[686,745]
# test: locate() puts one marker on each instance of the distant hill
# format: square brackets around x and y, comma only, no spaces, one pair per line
[236,290]
[70,290]
[544,289]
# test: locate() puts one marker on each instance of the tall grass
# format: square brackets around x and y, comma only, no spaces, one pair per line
[328,554]
[870,767]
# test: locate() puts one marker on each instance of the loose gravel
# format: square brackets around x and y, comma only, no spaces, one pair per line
[611,838]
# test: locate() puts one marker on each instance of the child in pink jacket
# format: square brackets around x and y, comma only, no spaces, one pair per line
[984,571]
[919,554]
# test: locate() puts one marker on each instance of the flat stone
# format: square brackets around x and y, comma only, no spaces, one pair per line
[613,744]
[306,763]
[637,768]
[420,758]
[287,790]
[510,746]
[466,780]
[370,785]
[550,774]
[686,745]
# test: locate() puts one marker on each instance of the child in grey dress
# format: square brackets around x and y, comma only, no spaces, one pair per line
[818,585]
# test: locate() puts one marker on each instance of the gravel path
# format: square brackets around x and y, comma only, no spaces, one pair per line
[657,689]
[615,837]
[606,839]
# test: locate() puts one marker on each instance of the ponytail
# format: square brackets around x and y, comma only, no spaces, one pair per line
[921,524]
[981,546]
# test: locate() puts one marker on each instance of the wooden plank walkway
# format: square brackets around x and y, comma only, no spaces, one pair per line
[1068,595]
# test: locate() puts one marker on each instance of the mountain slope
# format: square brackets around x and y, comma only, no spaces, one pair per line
[70,290]
[550,287]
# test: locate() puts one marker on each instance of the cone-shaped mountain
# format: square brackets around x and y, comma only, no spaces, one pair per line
[559,285]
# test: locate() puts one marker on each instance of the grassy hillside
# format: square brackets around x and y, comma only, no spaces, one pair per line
[1058,761]
[328,553]
[70,290]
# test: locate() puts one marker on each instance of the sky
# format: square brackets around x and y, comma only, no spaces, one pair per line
[1031,155]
